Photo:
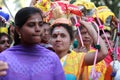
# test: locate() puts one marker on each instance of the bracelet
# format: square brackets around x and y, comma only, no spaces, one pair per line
[113,74]
[97,47]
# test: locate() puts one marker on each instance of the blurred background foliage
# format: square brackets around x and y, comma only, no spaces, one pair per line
[114,5]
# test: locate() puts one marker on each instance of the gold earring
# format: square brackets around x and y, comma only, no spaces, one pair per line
[19,36]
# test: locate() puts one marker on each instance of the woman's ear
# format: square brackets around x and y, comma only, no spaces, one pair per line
[17,30]
[71,42]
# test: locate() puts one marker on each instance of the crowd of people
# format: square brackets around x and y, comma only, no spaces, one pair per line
[39,43]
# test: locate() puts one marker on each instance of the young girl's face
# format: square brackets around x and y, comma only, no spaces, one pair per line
[32,30]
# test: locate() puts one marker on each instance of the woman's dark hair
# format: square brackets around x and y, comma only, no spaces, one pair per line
[97,21]
[21,17]
[46,23]
[80,28]
[4,34]
[101,32]
[67,27]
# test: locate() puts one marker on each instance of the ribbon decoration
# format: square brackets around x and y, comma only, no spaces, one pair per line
[102,28]
[94,75]
[77,24]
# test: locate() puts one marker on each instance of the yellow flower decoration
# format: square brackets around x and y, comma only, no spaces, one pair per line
[103,13]
[44,5]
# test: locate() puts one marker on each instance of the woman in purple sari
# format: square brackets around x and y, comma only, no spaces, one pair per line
[27,60]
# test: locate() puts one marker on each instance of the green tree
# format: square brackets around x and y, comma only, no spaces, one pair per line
[114,5]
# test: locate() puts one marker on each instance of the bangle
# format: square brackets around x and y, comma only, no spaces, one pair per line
[113,74]
[97,47]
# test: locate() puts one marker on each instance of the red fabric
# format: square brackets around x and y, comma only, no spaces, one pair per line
[108,58]
[118,53]
[68,8]
[108,73]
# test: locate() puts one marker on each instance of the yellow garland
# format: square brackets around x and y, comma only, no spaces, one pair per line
[3,30]
[44,5]
[103,12]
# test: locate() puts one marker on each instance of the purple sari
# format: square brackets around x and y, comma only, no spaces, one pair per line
[31,63]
